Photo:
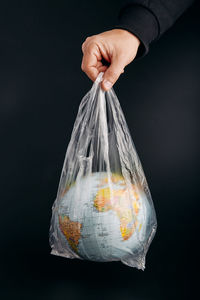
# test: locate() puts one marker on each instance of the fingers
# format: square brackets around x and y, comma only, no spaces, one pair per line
[91,62]
[88,65]
[112,73]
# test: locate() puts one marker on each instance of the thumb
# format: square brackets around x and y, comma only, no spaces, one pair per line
[112,74]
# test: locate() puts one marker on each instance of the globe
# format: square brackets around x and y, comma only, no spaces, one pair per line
[101,218]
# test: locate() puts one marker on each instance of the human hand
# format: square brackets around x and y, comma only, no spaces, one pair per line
[117,46]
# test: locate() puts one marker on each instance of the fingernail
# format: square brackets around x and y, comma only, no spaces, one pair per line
[107,84]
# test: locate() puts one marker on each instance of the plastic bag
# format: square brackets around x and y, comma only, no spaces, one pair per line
[103,210]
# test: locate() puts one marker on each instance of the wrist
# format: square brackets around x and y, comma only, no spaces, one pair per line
[127,35]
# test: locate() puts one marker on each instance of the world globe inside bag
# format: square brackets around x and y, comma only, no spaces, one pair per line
[103,210]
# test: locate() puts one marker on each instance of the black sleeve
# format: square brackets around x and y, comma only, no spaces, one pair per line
[149,19]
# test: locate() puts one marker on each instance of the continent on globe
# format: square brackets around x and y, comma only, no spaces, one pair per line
[71,230]
[121,205]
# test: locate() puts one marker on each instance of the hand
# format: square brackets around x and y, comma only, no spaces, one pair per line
[117,46]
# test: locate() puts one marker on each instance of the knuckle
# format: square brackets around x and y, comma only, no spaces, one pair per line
[90,48]
[85,42]
[91,37]
[83,46]
[82,67]
[94,38]
[89,44]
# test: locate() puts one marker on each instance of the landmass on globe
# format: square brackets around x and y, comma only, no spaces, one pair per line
[108,216]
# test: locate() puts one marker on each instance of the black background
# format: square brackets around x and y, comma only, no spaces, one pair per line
[41,86]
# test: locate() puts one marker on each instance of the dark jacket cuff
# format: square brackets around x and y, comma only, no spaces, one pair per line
[141,22]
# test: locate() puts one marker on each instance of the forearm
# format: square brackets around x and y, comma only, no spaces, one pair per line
[148,20]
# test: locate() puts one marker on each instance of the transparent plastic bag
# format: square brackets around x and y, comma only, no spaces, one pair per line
[103,210]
